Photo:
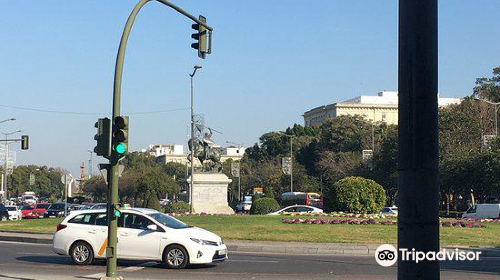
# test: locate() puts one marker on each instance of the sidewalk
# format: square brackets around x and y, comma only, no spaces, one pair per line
[270,247]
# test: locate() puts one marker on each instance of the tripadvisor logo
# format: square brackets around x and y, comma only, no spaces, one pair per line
[387,255]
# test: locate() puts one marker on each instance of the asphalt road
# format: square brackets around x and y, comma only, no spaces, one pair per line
[23,261]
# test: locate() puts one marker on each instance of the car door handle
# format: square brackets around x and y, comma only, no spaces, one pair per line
[92,231]
[123,234]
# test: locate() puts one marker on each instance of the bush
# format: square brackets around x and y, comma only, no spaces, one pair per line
[357,195]
[264,205]
[177,207]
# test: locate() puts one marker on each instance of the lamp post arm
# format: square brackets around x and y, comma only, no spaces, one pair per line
[123,45]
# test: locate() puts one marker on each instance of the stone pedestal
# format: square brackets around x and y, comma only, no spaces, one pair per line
[210,193]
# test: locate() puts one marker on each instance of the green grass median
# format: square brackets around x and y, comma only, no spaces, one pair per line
[269,228]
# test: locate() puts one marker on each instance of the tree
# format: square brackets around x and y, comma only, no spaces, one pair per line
[356,195]
[489,89]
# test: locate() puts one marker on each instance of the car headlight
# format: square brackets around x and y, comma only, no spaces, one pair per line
[204,242]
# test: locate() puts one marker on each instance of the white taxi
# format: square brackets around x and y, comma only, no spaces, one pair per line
[143,234]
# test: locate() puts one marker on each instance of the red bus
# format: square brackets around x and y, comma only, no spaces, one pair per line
[301,198]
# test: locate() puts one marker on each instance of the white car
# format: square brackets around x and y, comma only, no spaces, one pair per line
[143,234]
[298,209]
[14,212]
[389,211]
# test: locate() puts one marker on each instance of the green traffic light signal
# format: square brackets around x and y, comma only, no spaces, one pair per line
[120,135]
[121,148]
[117,213]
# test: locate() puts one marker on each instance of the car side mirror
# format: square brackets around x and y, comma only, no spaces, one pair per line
[152,227]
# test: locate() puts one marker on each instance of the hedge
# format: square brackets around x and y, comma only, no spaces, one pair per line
[264,205]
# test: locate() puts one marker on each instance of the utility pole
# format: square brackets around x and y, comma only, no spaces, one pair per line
[196,67]
[118,151]
[418,150]
[6,160]
[90,163]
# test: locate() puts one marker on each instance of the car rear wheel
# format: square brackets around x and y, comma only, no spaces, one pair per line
[81,253]
[176,257]
[4,218]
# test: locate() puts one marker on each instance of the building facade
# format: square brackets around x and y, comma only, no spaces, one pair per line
[382,107]
[175,153]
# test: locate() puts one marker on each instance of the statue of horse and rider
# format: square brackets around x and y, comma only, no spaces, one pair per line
[206,151]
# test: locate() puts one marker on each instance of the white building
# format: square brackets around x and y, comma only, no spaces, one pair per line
[175,153]
[380,107]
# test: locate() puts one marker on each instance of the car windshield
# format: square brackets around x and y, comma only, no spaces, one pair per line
[27,207]
[56,206]
[40,206]
[168,221]
[11,208]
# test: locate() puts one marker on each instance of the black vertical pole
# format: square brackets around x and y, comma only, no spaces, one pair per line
[418,174]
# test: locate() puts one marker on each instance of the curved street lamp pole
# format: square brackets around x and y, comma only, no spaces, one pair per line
[113,182]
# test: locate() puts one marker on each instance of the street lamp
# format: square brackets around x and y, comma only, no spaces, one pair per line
[6,120]
[239,169]
[291,158]
[495,110]
[90,163]
[190,195]
[6,150]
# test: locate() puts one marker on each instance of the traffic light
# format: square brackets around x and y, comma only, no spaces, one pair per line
[103,137]
[24,142]
[120,135]
[117,211]
[201,37]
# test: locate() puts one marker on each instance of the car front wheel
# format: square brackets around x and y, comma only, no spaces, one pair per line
[81,253]
[176,257]
[4,218]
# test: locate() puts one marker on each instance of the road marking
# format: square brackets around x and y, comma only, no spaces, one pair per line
[253,261]
[97,275]
[138,267]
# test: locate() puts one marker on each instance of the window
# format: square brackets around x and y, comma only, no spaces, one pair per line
[135,221]
[86,219]
[101,220]
[304,209]
[168,221]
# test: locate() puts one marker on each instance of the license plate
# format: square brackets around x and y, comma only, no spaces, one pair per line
[222,252]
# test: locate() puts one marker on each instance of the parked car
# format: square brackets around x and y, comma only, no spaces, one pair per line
[29,212]
[145,234]
[245,205]
[298,209]
[4,214]
[483,211]
[389,211]
[41,209]
[98,206]
[56,210]
[14,212]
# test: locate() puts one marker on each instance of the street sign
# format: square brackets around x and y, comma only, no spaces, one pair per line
[235,169]
[286,165]
[66,179]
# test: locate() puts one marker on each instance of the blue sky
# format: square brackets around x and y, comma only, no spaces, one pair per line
[271,61]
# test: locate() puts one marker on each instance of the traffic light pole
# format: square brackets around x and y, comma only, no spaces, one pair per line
[111,250]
